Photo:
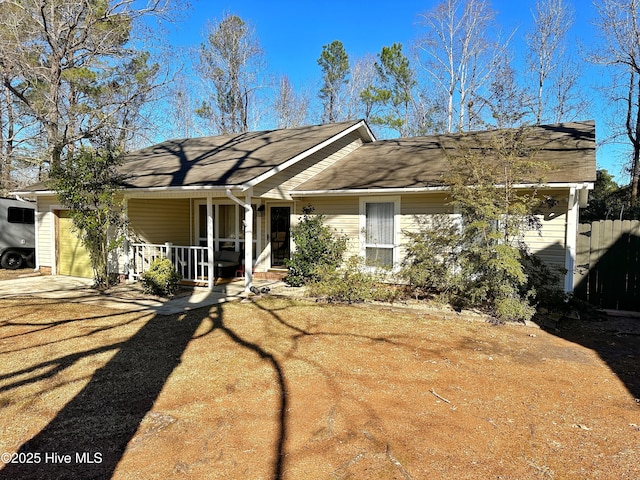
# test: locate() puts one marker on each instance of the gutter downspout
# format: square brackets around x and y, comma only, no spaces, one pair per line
[248,237]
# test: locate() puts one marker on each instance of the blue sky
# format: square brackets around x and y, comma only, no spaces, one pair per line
[292,34]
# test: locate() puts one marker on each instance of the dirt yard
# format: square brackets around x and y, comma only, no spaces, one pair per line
[282,389]
[11,274]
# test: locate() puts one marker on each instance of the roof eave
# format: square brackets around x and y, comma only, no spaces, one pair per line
[438,188]
[33,193]
[183,188]
[129,190]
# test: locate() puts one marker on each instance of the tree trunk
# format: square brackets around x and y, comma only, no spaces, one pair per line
[633,132]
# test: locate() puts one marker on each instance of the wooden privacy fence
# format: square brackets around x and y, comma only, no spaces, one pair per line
[607,271]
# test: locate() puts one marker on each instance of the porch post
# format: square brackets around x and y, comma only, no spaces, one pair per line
[248,242]
[128,254]
[210,246]
[248,236]
[571,241]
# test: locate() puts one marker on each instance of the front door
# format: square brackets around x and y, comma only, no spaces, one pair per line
[280,239]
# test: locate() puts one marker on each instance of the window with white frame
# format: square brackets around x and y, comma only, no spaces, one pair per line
[228,226]
[380,231]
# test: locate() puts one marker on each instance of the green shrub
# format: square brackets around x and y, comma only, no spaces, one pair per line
[545,282]
[430,264]
[161,279]
[513,309]
[353,283]
[469,265]
[317,247]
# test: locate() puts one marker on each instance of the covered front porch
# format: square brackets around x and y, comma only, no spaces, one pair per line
[209,237]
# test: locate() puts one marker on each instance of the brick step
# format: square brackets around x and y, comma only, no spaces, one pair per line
[270,275]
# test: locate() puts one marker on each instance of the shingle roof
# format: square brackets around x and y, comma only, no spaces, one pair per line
[229,160]
[569,149]
[222,160]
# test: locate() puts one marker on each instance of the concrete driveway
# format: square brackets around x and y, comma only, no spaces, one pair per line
[128,297]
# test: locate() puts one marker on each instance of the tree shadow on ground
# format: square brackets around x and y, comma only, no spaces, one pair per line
[279,454]
[616,340]
[89,436]
[95,427]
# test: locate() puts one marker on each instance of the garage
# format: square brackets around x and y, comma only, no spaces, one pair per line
[73,258]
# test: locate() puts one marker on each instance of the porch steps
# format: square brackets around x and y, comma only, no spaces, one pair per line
[272,274]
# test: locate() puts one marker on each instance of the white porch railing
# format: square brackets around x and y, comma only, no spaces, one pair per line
[190,261]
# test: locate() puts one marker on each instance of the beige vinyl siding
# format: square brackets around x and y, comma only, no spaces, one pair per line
[550,242]
[279,185]
[425,203]
[45,221]
[161,220]
[414,208]
[341,214]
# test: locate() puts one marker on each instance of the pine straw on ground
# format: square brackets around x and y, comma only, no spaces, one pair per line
[278,388]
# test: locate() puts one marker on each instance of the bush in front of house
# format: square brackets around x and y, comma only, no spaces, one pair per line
[458,263]
[317,248]
[545,281]
[430,264]
[352,283]
[161,279]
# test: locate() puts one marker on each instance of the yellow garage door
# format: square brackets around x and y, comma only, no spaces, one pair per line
[73,257]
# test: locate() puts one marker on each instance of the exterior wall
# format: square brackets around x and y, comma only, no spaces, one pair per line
[174,220]
[413,208]
[343,214]
[279,186]
[45,230]
[171,220]
[549,243]
[161,220]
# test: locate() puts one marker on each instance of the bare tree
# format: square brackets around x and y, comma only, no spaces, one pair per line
[425,115]
[231,63]
[619,26]
[547,59]
[73,65]
[507,100]
[363,74]
[7,136]
[19,142]
[569,102]
[289,107]
[459,56]
[181,107]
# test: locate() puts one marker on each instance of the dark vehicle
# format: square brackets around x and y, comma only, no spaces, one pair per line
[17,233]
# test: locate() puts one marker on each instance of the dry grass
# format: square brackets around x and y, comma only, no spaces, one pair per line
[11,274]
[284,389]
